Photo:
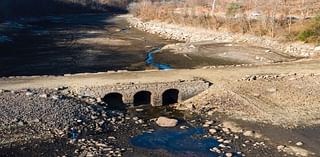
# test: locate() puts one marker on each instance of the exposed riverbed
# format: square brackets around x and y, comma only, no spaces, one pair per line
[57,45]
[57,122]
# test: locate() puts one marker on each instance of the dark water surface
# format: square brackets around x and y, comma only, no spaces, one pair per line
[177,141]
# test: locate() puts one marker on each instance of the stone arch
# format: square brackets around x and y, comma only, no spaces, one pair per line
[114,100]
[142,98]
[170,96]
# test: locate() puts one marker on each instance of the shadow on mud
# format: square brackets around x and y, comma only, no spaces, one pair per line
[51,147]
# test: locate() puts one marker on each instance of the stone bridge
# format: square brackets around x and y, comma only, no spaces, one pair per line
[156,93]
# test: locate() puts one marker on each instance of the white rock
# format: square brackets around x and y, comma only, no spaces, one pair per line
[183,127]
[228,154]
[20,123]
[212,131]
[299,143]
[317,48]
[280,147]
[210,113]
[216,150]
[166,122]
[29,93]
[36,120]
[205,125]
[227,141]
[139,109]
[99,100]
[220,140]
[222,146]
[226,130]
[55,97]
[43,96]
[248,133]
[111,138]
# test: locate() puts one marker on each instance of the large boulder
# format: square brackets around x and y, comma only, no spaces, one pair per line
[166,122]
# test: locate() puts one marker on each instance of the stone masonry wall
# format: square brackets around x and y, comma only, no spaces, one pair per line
[187,89]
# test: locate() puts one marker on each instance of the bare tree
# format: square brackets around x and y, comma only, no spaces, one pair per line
[213,7]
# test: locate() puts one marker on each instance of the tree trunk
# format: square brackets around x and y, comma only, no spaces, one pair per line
[213,7]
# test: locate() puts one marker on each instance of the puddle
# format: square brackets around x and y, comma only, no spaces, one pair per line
[178,141]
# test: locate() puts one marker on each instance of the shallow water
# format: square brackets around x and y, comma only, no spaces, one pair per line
[177,141]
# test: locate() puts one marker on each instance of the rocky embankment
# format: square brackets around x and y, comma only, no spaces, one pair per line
[191,34]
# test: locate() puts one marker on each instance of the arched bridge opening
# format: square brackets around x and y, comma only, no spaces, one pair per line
[140,93]
[170,96]
[114,100]
[142,98]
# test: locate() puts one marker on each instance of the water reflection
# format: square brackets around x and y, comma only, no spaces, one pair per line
[177,141]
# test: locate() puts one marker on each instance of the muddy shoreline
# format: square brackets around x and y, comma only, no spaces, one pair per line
[191,34]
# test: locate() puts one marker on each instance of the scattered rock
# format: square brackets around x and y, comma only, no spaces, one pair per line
[43,95]
[139,109]
[112,138]
[183,127]
[210,113]
[20,123]
[212,131]
[36,120]
[248,133]
[227,141]
[226,130]
[228,154]
[216,150]
[299,143]
[55,97]
[166,122]
[222,146]
[207,124]
[281,147]
[29,93]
